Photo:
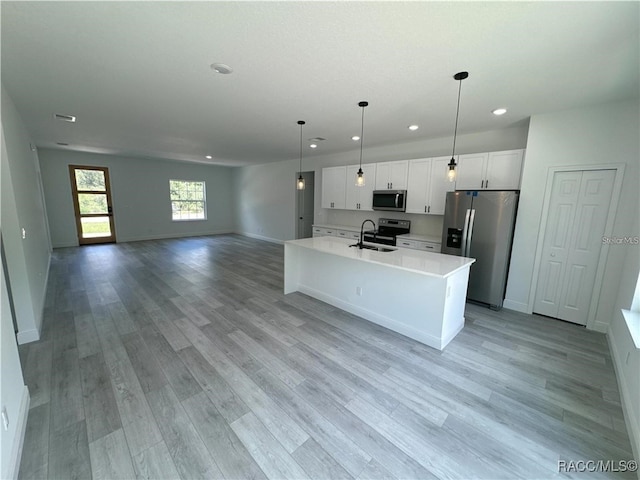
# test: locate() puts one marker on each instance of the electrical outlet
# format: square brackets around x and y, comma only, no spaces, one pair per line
[24,233]
[5,418]
[359,291]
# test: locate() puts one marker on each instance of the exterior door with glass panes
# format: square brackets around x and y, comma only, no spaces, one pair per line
[92,204]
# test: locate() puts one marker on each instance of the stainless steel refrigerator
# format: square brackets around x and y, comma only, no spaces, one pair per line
[480,224]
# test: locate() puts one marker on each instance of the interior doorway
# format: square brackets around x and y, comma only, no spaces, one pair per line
[304,206]
[92,204]
[578,211]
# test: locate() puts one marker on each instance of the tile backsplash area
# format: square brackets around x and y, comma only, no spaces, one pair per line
[429,225]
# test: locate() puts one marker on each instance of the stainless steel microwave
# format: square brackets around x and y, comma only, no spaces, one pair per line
[390,200]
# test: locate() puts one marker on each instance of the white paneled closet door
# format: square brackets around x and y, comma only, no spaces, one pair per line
[572,243]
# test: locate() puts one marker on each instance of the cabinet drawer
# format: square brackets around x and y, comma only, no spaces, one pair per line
[348,234]
[419,245]
[323,232]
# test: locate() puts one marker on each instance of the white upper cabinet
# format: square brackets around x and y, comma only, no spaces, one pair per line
[392,175]
[471,171]
[439,185]
[334,187]
[504,170]
[360,198]
[490,171]
[428,185]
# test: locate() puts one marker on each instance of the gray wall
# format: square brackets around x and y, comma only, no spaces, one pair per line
[265,194]
[21,206]
[140,192]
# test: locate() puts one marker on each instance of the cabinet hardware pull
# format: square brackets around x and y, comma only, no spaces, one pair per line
[429,209]
[425,209]
[486,184]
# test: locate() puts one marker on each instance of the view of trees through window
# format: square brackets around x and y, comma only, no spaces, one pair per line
[188,200]
[90,184]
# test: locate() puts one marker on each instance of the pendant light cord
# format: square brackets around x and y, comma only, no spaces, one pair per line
[301,148]
[361,136]
[455,130]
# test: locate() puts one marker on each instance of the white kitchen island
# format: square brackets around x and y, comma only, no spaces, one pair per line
[415,293]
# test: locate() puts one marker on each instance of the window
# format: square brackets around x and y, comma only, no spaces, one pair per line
[188,200]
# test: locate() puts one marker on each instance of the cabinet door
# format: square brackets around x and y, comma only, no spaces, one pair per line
[418,185]
[439,185]
[333,187]
[399,174]
[471,171]
[383,171]
[360,198]
[503,170]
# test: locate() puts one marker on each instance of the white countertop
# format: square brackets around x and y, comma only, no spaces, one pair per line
[425,263]
[420,238]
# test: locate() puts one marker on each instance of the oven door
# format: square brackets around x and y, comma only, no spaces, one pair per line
[383,239]
[390,200]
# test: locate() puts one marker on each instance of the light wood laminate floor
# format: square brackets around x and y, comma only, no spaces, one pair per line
[182,358]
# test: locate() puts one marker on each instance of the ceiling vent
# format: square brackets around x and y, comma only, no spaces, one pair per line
[65,118]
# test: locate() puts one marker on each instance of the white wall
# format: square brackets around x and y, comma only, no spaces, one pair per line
[625,354]
[27,264]
[22,207]
[604,134]
[140,194]
[265,193]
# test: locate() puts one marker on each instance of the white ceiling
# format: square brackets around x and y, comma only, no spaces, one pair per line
[137,74]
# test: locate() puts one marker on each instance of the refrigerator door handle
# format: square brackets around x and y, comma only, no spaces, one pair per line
[472,219]
[465,230]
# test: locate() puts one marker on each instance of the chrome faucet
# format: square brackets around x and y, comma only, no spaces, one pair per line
[360,244]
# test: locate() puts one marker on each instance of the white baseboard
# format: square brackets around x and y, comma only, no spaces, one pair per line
[28,336]
[18,440]
[261,237]
[629,415]
[517,306]
[600,327]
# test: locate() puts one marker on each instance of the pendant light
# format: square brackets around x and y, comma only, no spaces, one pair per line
[360,175]
[300,182]
[451,175]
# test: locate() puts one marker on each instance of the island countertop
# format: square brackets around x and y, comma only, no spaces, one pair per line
[425,263]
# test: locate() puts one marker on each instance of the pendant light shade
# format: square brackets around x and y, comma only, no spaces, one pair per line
[451,175]
[360,174]
[300,181]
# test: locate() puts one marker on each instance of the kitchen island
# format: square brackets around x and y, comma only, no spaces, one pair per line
[418,294]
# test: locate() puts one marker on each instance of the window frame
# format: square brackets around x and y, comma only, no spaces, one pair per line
[203,201]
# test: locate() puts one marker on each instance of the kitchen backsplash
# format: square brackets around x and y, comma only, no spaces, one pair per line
[429,225]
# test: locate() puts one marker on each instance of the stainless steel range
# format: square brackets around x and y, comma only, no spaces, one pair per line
[388,230]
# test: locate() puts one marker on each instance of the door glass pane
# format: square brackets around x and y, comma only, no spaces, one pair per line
[92,203]
[93,227]
[90,180]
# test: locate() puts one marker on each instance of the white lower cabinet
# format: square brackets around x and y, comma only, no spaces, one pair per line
[323,232]
[349,234]
[419,245]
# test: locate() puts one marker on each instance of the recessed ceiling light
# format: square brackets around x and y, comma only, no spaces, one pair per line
[208,157]
[355,138]
[313,145]
[413,127]
[65,118]
[499,111]
[221,68]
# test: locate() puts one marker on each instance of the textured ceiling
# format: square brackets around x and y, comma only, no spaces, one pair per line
[137,74]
